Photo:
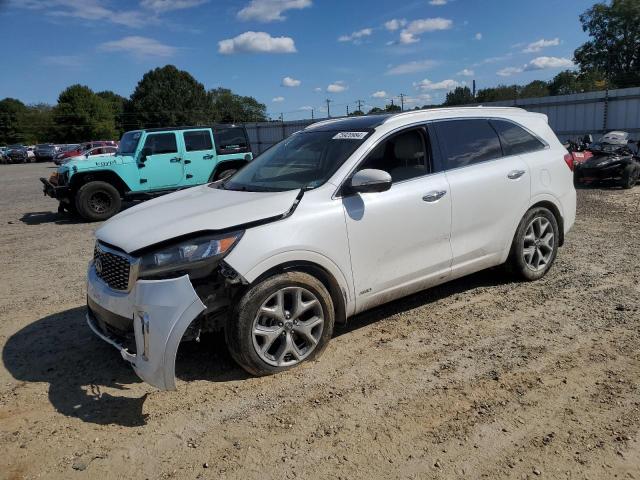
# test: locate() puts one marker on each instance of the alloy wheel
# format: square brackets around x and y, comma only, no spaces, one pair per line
[539,243]
[288,326]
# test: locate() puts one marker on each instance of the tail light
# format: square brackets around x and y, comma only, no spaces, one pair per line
[568,158]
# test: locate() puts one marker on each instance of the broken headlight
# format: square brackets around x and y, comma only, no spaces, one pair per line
[195,256]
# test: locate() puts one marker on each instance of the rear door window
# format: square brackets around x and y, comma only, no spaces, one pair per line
[515,139]
[196,141]
[467,142]
[231,140]
[160,143]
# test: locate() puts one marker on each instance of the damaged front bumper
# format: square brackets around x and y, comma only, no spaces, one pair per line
[161,312]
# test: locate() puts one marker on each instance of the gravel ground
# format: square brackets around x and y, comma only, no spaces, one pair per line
[480,378]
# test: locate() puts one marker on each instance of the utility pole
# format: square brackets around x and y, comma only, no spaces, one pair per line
[402,95]
[282,117]
[328,108]
[347,110]
[312,114]
[474,89]
[359,102]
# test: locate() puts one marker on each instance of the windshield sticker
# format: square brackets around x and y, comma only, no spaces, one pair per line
[350,135]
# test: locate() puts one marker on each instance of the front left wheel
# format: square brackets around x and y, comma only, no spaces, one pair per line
[279,323]
[97,201]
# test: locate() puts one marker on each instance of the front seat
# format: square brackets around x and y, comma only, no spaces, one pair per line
[409,157]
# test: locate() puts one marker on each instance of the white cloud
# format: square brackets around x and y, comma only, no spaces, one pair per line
[508,71]
[438,2]
[337,87]
[379,94]
[539,63]
[394,24]
[256,42]
[306,107]
[139,46]
[411,67]
[168,5]
[277,99]
[317,89]
[91,10]
[63,60]
[428,85]
[290,82]
[540,44]
[466,73]
[478,36]
[542,63]
[270,10]
[355,36]
[411,32]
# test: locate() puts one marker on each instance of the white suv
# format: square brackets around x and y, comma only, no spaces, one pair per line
[338,218]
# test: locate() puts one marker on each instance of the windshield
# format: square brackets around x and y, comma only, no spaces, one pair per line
[129,143]
[304,160]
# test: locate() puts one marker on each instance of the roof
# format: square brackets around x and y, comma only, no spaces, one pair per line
[374,121]
[220,126]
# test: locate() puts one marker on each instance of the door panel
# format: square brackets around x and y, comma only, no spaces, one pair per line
[399,242]
[486,199]
[163,167]
[199,156]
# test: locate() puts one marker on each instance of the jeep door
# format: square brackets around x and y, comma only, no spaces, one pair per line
[489,192]
[399,239]
[162,168]
[199,156]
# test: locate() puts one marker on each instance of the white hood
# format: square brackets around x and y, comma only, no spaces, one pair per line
[188,211]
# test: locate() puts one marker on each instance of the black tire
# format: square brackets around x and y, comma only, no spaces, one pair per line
[239,328]
[97,201]
[222,174]
[516,262]
[629,177]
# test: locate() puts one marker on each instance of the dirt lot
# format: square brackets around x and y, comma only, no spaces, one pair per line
[482,377]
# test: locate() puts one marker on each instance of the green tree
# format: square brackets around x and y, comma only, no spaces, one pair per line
[356,113]
[228,107]
[167,97]
[392,108]
[537,88]
[12,121]
[81,115]
[499,93]
[375,111]
[116,104]
[614,46]
[459,96]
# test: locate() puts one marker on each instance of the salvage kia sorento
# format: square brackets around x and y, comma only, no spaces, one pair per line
[340,217]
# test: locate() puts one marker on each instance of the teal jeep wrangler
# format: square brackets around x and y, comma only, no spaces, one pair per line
[148,163]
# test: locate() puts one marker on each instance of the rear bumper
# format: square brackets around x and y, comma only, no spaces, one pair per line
[54,191]
[160,311]
[614,171]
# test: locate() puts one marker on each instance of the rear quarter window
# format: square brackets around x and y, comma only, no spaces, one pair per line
[467,142]
[231,140]
[515,139]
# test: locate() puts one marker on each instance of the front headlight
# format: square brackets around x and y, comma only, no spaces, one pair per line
[196,256]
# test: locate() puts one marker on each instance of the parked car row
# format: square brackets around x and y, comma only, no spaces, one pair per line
[340,217]
[44,152]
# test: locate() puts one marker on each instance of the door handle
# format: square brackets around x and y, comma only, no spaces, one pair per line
[207,157]
[174,160]
[515,174]
[434,196]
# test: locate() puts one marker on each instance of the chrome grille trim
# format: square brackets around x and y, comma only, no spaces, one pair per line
[119,270]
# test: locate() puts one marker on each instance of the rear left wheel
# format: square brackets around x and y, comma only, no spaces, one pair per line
[535,244]
[279,323]
[629,177]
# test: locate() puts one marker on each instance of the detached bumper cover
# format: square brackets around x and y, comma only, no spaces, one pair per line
[162,310]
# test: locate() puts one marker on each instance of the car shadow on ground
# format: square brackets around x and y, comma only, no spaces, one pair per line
[40,218]
[60,350]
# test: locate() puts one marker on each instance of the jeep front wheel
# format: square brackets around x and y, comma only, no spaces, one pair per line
[96,201]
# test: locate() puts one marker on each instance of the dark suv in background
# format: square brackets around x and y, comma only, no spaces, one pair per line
[44,152]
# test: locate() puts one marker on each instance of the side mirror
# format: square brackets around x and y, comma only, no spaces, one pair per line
[146,151]
[370,180]
[86,155]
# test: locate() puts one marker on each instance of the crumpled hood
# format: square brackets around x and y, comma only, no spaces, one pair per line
[600,157]
[188,211]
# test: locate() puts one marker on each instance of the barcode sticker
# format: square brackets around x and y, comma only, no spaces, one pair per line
[350,135]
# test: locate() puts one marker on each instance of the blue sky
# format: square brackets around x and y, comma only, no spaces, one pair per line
[289,54]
